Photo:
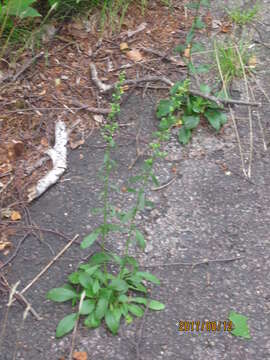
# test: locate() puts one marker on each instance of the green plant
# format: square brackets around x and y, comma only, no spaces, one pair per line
[241,16]
[107,286]
[240,325]
[230,64]
[186,110]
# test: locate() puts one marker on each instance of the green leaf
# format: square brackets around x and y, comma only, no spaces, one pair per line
[148,276]
[112,321]
[90,239]
[88,306]
[119,285]
[190,36]
[124,309]
[164,124]
[92,321]
[92,269]
[240,325]
[66,325]
[96,286]
[138,287]
[101,308]
[85,280]
[191,122]
[164,108]
[180,48]
[155,305]
[216,118]
[20,9]
[184,135]
[123,298]
[199,24]
[29,12]
[135,310]
[61,294]
[100,258]
[155,181]
[140,238]
[74,277]
[139,300]
[128,216]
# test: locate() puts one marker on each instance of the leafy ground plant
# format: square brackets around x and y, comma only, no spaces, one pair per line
[185,110]
[110,286]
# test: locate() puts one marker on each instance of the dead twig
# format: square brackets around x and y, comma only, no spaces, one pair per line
[82,106]
[104,88]
[193,264]
[16,250]
[249,112]
[37,277]
[165,185]
[172,59]
[231,111]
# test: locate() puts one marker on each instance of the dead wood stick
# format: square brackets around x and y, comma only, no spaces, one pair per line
[21,298]
[82,106]
[170,58]
[16,250]
[205,261]
[36,278]
[105,87]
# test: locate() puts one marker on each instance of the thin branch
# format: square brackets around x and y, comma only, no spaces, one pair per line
[249,112]
[104,88]
[16,250]
[36,278]
[231,112]
[193,264]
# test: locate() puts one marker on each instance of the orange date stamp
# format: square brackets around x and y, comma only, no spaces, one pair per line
[208,326]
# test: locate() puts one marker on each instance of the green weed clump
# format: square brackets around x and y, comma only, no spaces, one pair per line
[230,64]
[242,17]
[110,286]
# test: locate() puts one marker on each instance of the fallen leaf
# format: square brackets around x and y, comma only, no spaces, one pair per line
[124,46]
[226,27]
[187,52]
[252,62]
[15,215]
[43,92]
[44,142]
[80,355]
[134,55]
[98,118]
[57,81]
[5,245]
[76,144]
[216,24]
